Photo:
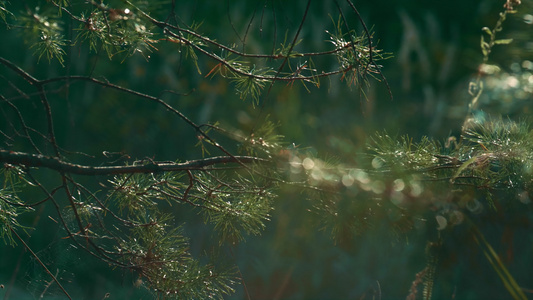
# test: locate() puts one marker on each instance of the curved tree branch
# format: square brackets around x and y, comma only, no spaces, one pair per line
[38,160]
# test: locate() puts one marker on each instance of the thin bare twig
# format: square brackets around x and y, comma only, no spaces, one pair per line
[40,262]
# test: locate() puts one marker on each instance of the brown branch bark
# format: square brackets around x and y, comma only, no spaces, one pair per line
[53,163]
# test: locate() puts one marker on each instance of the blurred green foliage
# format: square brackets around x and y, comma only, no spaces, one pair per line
[436,53]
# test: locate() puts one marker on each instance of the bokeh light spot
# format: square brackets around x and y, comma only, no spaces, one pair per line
[398,185]
[347,180]
[441,222]
[308,163]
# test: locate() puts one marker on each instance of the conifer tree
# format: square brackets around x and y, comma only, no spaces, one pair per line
[124,222]
[133,210]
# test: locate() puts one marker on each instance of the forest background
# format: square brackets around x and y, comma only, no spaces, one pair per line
[435,54]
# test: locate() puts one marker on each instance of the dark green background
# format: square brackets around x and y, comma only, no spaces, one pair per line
[292,259]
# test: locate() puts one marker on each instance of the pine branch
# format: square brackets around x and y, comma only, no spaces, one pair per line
[38,160]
